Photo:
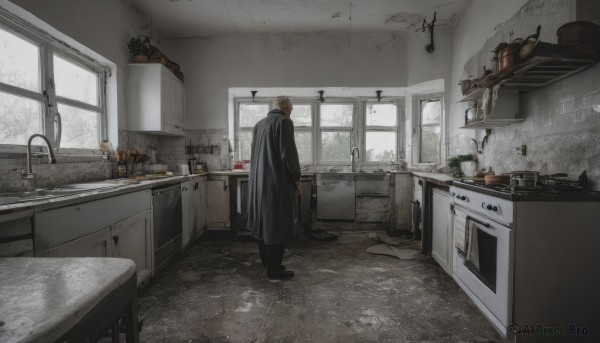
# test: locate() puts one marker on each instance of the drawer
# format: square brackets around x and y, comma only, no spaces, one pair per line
[61,225]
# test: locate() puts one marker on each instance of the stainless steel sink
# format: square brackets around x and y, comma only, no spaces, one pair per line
[41,194]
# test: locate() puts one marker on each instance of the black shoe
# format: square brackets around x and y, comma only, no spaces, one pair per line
[280,274]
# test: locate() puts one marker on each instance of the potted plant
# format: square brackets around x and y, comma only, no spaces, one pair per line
[139,49]
[462,165]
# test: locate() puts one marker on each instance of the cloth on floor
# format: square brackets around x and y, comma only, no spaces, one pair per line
[386,249]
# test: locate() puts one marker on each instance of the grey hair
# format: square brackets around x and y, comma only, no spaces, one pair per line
[283,103]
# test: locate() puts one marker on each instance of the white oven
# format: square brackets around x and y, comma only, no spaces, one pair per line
[483,255]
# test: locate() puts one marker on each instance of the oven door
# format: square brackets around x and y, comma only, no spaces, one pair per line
[483,264]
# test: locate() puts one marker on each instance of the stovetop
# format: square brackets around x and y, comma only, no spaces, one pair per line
[556,191]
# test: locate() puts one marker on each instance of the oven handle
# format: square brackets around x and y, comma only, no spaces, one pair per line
[478,221]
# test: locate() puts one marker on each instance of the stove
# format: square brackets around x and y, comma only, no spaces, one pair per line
[524,254]
[553,191]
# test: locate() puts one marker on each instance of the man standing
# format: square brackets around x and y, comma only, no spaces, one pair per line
[273,186]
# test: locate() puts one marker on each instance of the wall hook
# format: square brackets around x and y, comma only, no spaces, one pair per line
[321,98]
[378,95]
[253,94]
[429,26]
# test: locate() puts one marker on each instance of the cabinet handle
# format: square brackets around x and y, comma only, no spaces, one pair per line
[115,239]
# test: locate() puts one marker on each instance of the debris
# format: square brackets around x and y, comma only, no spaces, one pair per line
[385,249]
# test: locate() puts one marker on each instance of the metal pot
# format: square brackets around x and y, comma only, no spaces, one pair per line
[524,178]
[509,56]
[578,32]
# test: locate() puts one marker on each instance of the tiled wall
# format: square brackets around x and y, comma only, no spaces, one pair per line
[561,131]
[204,145]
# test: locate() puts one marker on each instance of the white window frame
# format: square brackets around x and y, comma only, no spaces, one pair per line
[357,130]
[417,127]
[47,95]
[398,129]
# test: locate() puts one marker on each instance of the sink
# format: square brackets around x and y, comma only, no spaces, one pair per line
[41,194]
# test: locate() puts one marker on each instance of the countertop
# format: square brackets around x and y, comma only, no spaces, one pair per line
[42,298]
[120,186]
[437,178]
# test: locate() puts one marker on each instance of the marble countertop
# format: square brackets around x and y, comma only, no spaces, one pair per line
[439,178]
[42,298]
[114,187]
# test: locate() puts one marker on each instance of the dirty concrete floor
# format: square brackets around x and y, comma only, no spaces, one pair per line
[219,292]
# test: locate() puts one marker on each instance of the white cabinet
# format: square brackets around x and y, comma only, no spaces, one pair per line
[16,234]
[201,206]
[118,226]
[132,239]
[442,229]
[96,244]
[217,204]
[155,100]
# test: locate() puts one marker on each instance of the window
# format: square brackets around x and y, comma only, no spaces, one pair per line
[380,131]
[49,89]
[325,132]
[250,113]
[336,131]
[430,118]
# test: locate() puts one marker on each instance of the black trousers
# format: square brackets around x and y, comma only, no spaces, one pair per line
[271,255]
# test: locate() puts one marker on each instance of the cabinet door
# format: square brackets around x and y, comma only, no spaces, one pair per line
[178,105]
[441,225]
[189,207]
[166,96]
[217,207]
[402,201]
[201,208]
[132,239]
[96,244]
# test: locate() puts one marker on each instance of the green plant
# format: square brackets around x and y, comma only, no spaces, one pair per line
[139,46]
[454,164]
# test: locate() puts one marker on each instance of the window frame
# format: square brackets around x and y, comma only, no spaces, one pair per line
[417,131]
[376,128]
[357,130]
[48,47]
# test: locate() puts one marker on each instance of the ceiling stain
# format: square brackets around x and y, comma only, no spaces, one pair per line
[336,15]
[405,18]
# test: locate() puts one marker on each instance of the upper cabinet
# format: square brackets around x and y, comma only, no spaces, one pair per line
[155,100]
[494,98]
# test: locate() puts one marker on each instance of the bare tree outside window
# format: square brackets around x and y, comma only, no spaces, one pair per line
[430,117]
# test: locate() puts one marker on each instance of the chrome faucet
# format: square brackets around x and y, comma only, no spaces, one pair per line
[29,176]
[352,157]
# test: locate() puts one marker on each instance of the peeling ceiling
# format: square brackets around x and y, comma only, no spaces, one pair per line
[214,18]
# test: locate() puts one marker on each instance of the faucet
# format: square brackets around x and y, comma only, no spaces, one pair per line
[29,176]
[352,157]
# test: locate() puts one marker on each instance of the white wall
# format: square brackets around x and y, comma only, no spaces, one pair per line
[212,66]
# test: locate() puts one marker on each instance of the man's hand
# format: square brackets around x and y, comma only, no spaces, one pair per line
[298,188]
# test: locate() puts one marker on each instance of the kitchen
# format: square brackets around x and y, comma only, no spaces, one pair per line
[231,61]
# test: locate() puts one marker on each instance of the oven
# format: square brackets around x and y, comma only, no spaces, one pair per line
[483,253]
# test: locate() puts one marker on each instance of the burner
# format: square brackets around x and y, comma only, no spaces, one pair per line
[555,190]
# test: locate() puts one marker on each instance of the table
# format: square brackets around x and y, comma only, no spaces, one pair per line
[67,299]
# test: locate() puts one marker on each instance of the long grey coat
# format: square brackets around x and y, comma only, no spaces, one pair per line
[274,170]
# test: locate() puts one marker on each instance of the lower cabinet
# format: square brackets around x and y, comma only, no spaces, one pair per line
[89,230]
[193,196]
[217,209]
[132,239]
[442,229]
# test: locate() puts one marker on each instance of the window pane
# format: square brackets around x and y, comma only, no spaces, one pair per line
[304,145]
[250,114]
[73,82]
[381,146]
[336,114]
[245,144]
[302,115]
[19,119]
[431,111]
[430,144]
[381,114]
[335,146]
[80,128]
[19,62]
